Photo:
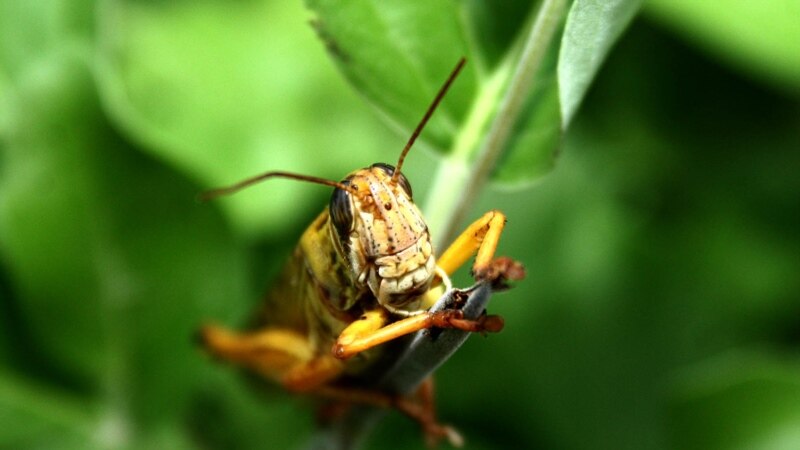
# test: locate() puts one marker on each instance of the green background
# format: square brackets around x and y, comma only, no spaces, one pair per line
[662,306]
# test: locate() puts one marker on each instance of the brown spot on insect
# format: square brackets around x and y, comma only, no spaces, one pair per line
[363,274]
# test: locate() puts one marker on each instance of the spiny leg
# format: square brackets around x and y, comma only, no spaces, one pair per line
[279,354]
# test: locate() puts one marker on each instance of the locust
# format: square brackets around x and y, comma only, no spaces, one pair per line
[363,275]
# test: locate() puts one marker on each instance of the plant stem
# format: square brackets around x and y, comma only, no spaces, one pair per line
[458,183]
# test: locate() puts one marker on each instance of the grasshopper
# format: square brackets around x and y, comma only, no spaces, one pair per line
[364,274]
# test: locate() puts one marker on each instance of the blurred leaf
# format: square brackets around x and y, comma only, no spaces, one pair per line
[131,263]
[230,414]
[46,224]
[30,29]
[592,28]
[4,106]
[26,30]
[38,414]
[758,37]
[217,90]
[741,401]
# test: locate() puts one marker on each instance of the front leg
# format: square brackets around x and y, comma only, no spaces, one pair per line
[371,329]
[481,239]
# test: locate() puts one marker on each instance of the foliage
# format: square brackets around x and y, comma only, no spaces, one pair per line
[661,309]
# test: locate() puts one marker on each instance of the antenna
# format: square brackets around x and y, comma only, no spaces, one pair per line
[214,193]
[428,114]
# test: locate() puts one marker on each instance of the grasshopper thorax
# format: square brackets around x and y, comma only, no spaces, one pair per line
[380,232]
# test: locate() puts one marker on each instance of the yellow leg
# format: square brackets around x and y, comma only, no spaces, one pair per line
[282,355]
[481,239]
[371,330]
[362,328]
[286,357]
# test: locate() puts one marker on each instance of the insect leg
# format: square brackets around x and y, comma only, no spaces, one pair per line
[308,376]
[279,354]
[359,337]
[480,239]
[286,356]
[358,334]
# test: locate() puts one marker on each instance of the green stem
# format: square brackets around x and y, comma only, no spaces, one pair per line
[458,183]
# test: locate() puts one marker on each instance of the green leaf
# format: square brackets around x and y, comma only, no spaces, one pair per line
[739,401]
[46,223]
[4,112]
[592,28]
[216,90]
[30,29]
[493,27]
[35,416]
[533,146]
[762,38]
[26,29]
[395,60]
[113,263]
[502,116]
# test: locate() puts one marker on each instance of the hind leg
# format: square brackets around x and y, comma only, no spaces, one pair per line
[281,355]
[287,358]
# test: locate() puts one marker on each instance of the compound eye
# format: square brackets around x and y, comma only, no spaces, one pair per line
[401,179]
[341,213]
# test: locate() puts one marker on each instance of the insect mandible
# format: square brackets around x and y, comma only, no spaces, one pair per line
[363,275]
